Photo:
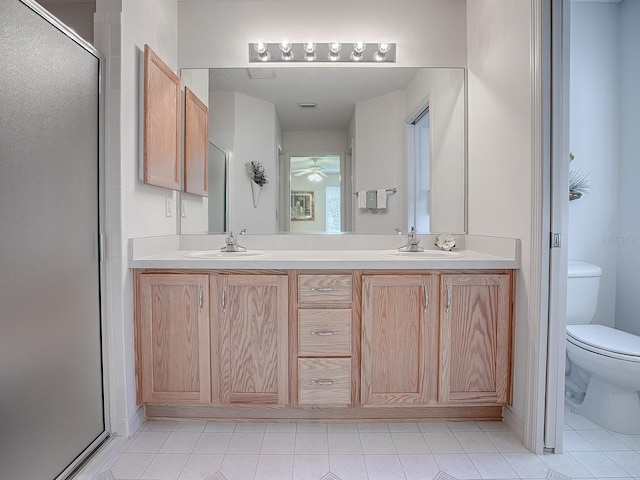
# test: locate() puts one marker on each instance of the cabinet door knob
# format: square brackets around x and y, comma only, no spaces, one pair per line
[325,334]
[322,382]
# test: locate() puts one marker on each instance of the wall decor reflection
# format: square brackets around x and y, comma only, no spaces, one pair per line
[302,206]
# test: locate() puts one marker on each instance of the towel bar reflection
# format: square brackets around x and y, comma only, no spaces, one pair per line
[390,191]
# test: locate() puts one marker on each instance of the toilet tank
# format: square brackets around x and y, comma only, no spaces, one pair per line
[582,292]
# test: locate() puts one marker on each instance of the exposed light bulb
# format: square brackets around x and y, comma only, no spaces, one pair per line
[310,57]
[260,47]
[384,47]
[334,57]
[315,177]
[287,56]
[335,47]
[359,47]
[355,56]
[265,57]
[285,47]
[379,56]
[309,47]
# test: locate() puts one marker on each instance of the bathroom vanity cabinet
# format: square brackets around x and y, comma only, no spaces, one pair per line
[250,315]
[173,341]
[399,339]
[297,344]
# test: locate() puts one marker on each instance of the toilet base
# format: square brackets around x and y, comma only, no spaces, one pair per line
[611,407]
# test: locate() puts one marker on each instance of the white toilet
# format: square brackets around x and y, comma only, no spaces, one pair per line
[603,364]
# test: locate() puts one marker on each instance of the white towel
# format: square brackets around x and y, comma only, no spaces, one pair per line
[382,198]
[362,199]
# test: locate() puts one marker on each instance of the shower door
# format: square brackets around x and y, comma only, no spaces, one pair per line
[51,381]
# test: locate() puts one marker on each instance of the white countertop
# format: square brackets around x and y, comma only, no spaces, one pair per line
[322,260]
[300,252]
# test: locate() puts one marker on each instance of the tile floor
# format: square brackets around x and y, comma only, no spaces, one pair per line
[364,451]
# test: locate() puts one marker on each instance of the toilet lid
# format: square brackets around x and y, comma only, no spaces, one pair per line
[606,338]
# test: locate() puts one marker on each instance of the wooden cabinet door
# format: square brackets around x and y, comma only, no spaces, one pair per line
[174,363]
[399,339]
[475,339]
[253,313]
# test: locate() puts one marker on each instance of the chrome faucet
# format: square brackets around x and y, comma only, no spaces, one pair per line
[412,242]
[231,243]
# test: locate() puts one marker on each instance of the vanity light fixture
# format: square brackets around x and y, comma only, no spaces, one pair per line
[313,52]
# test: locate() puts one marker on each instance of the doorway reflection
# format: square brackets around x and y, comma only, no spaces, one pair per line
[316,200]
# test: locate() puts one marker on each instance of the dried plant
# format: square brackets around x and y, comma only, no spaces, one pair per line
[579,182]
[255,171]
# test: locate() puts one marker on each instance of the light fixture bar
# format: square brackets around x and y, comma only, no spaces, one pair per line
[308,52]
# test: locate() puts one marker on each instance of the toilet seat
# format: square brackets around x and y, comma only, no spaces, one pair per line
[605,341]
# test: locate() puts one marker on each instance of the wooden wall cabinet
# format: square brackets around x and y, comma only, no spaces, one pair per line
[253,344]
[173,338]
[162,118]
[475,339]
[399,339]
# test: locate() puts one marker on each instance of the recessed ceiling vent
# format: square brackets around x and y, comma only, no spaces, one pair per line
[261,73]
[308,105]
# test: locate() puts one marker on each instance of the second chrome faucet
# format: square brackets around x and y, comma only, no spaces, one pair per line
[412,242]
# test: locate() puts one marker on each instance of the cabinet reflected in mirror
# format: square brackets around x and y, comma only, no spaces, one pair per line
[366,117]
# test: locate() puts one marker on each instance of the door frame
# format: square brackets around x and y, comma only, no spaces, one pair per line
[559,223]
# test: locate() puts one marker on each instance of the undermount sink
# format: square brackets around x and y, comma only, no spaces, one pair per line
[209,254]
[422,255]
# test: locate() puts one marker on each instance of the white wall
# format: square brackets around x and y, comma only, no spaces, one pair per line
[132,209]
[595,101]
[217,34]
[255,140]
[444,92]
[628,292]
[378,163]
[500,154]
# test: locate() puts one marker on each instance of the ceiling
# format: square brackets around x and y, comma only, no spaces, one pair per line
[335,90]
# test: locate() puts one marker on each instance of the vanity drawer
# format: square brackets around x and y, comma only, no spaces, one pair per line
[324,381]
[324,332]
[322,289]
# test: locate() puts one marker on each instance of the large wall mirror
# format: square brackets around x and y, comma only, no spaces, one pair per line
[331,140]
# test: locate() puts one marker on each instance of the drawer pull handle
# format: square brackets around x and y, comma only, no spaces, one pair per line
[322,382]
[325,334]
[426,299]
[448,299]
[201,297]
[224,306]
[324,289]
